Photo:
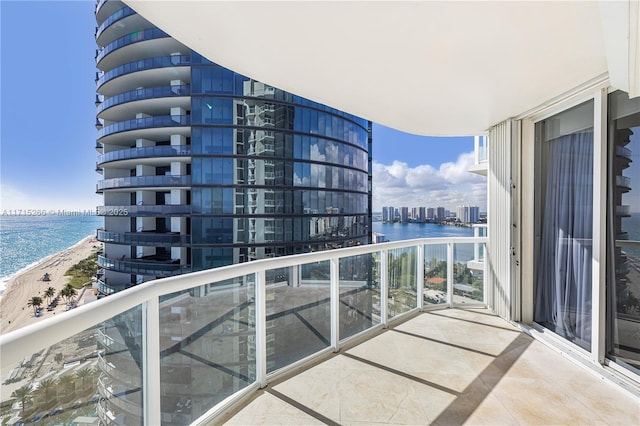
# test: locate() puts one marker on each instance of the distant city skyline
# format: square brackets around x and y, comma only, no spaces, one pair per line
[407,169]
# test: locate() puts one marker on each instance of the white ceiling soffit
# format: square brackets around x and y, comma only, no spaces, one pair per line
[620,21]
[431,68]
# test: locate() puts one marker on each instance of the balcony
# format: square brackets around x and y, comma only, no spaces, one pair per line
[145,152]
[144,94]
[144,181]
[145,123]
[143,210]
[148,265]
[148,238]
[357,328]
[169,63]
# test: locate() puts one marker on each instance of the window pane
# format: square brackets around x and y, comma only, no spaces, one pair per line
[623,276]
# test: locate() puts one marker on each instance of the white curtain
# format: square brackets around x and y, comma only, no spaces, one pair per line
[563,286]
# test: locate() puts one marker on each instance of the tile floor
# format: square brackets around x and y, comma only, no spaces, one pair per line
[447,367]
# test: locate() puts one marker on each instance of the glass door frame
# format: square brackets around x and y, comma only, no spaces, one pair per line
[597,92]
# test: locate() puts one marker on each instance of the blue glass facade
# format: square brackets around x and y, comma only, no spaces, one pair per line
[249,170]
[272,173]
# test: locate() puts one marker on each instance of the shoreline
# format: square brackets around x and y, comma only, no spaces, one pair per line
[27,282]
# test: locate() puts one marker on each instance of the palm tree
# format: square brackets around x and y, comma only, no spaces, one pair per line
[84,375]
[68,292]
[44,392]
[35,302]
[67,385]
[24,394]
[49,293]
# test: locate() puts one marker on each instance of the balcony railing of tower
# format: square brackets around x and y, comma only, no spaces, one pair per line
[348,294]
[135,37]
[143,64]
[146,93]
[144,181]
[116,16]
[145,152]
[145,123]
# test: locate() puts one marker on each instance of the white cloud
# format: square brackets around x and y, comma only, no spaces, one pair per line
[448,186]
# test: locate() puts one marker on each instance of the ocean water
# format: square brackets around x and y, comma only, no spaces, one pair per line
[408,231]
[25,240]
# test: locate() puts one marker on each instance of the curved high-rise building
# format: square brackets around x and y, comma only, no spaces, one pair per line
[204,167]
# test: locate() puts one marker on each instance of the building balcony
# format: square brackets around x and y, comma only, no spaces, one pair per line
[143,210]
[104,8]
[145,123]
[342,336]
[150,238]
[149,93]
[157,152]
[134,46]
[112,19]
[144,182]
[154,72]
[148,265]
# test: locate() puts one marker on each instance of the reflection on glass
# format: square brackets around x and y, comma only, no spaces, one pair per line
[207,347]
[56,384]
[402,281]
[468,276]
[435,274]
[623,278]
[298,312]
[120,365]
[359,294]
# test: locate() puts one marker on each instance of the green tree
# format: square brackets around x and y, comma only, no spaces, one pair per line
[85,376]
[67,387]
[49,293]
[68,292]
[24,395]
[45,393]
[35,302]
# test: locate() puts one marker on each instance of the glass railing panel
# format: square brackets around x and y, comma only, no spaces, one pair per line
[402,268]
[207,347]
[144,64]
[146,93]
[435,274]
[359,288]
[69,379]
[138,36]
[468,275]
[120,365]
[298,313]
[143,123]
[120,14]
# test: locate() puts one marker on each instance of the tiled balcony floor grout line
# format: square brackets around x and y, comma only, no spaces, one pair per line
[301,407]
[473,322]
[484,383]
[402,374]
[442,342]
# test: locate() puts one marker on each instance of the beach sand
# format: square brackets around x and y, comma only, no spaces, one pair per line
[14,311]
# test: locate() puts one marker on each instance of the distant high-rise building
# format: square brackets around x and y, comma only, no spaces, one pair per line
[422,217]
[404,214]
[440,213]
[388,214]
[430,213]
[468,214]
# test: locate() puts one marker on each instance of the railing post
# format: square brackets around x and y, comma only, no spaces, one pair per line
[420,277]
[151,408]
[261,328]
[450,276]
[335,303]
[484,275]
[384,288]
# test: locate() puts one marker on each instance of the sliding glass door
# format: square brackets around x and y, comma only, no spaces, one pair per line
[564,223]
[623,232]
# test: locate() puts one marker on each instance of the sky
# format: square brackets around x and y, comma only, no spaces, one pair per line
[47,117]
